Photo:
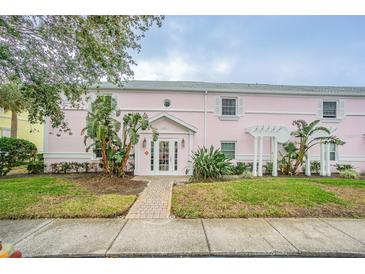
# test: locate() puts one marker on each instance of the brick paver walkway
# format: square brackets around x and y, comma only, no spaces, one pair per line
[155,201]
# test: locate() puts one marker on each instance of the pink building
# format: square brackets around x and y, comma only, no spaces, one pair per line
[189,115]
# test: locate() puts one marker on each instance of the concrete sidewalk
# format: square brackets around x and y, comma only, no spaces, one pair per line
[194,237]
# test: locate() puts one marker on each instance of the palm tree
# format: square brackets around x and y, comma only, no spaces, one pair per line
[307,139]
[102,128]
[11,99]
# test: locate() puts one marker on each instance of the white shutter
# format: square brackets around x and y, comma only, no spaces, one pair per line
[240,107]
[320,109]
[217,107]
[341,109]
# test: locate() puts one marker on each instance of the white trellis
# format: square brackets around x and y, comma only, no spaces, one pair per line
[277,134]
[325,167]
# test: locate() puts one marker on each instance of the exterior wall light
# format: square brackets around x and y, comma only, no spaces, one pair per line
[183,143]
[144,143]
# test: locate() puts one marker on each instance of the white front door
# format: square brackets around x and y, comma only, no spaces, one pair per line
[166,155]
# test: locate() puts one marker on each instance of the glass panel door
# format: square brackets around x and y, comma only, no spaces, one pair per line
[164,156]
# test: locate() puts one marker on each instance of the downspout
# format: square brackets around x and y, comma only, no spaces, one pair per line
[205,118]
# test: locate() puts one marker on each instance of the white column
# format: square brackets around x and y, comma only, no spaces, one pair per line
[259,173]
[308,165]
[254,164]
[323,171]
[328,166]
[190,153]
[275,157]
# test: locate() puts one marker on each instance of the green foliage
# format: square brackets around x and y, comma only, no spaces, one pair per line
[102,129]
[307,136]
[315,166]
[238,169]
[210,164]
[286,162]
[36,166]
[69,167]
[15,152]
[268,167]
[55,55]
[241,167]
[340,167]
[349,174]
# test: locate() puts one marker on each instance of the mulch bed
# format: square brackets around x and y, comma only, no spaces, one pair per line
[100,184]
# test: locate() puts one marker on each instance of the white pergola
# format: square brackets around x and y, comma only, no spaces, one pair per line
[277,134]
[325,167]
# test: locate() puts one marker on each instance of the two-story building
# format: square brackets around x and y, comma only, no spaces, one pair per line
[189,115]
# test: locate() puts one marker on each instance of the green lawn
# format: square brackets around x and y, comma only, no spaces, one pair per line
[46,197]
[271,197]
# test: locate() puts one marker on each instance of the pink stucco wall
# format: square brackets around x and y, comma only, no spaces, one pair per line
[189,107]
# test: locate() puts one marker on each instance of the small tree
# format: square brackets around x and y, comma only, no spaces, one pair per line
[11,99]
[133,123]
[306,134]
[102,128]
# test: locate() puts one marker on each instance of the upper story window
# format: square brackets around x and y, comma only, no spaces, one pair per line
[229,149]
[329,109]
[229,106]
[333,152]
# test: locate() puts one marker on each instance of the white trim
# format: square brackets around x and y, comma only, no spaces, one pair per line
[228,118]
[175,119]
[205,117]
[171,170]
[279,112]
[68,155]
[355,114]
[165,109]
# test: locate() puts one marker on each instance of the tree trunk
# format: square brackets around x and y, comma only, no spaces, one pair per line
[14,125]
[126,157]
[104,158]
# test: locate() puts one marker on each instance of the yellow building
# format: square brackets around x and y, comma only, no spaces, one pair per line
[33,133]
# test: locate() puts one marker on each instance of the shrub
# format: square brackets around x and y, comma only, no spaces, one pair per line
[37,165]
[55,168]
[340,167]
[15,152]
[65,167]
[239,168]
[86,166]
[268,167]
[349,174]
[210,164]
[315,166]
[76,166]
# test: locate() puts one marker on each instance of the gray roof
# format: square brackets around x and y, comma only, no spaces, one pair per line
[235,88]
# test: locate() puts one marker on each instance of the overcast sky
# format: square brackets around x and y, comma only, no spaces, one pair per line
[307,50]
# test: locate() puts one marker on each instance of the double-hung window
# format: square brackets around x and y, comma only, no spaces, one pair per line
[330,109]
[229,149]
[229,106]
[333,152]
